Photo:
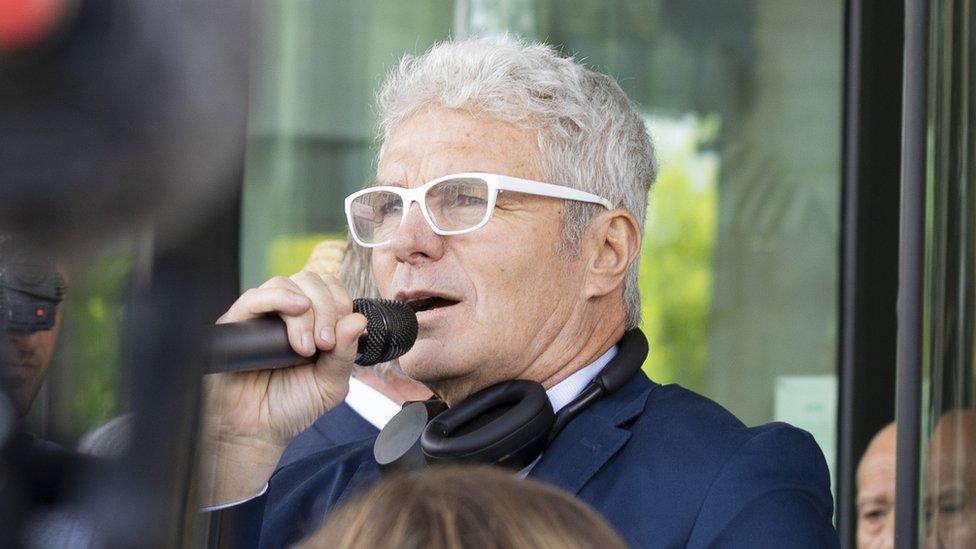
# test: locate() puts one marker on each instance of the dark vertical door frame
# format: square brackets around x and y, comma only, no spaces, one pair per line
[911,272]
[193,280]
[869,241]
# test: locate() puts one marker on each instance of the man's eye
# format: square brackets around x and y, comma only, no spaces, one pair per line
[874,514]
[877,514]
[952,503]
[393,207]
[468,200]
[951,507]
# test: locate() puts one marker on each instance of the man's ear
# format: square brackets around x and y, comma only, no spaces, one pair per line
[615,240]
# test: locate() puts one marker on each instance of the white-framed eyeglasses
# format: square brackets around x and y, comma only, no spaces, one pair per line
[453,204]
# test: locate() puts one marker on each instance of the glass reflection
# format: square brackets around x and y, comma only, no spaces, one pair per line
[948,475]
[31,290]
[949,500]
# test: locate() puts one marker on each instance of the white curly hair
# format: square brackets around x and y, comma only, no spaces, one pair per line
[590,135]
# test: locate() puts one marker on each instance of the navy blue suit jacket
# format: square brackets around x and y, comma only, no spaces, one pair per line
[665,466]
[340,425]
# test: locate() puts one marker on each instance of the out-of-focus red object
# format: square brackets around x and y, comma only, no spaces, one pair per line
[25,23]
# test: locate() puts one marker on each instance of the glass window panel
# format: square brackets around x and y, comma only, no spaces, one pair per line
[82,388]
[948,475]
[740,266]
[311,137]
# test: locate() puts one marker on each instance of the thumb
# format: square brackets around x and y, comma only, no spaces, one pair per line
[348,330]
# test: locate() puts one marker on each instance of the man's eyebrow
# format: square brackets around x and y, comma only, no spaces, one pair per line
[879,498]
[951,493]
[385,183]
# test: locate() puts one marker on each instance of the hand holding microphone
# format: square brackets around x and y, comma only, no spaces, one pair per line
[262,343]
[273,405]
[252,415]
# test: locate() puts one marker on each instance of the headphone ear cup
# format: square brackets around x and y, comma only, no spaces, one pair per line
[506,424]
[397,447]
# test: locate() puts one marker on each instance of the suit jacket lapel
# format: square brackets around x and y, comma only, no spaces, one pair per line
[343,425]
[366,476]
[578,453]
[593,437]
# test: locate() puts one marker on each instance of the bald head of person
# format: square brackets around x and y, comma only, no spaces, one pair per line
[950,482]
[876,491]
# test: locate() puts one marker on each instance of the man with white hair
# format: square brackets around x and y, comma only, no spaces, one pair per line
[508,211]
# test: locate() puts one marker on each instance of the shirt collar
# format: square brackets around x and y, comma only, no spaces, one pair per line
[566,390]
[372,405]
[378,409]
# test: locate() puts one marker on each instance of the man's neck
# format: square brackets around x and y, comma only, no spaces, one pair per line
[580,340]
[397,388]
[595,344]
[585,336]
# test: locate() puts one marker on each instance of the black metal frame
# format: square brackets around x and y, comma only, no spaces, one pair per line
[193,281]
[911,272]
[869,243]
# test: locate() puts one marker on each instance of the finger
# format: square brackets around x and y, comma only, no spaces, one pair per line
[280,281]
[329,304]
[298,320]
[333,368]
[341,299]
[258,302]
[300,326]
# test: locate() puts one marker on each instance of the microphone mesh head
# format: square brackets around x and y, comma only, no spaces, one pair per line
[391,329]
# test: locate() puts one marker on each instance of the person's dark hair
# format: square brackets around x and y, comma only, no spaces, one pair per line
[462,507]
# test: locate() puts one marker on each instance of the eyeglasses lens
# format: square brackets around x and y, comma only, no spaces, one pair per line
[458,204]
[376,216]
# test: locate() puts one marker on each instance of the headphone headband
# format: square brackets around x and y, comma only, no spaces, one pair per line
[510,423]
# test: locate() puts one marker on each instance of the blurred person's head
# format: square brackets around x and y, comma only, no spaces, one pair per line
[32,289]
[950,482]
[876,491]
[25,363]
[461,507]
[547,283]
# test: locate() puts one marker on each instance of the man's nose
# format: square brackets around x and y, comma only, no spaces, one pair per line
[15,341]
[932,539]
[887,540]
[415,241]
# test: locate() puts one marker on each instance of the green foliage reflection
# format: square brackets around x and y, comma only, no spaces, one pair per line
[676,261]
[89,348]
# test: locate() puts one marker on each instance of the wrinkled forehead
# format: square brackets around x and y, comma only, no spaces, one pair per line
[953,442]
[436,142]
[952,461]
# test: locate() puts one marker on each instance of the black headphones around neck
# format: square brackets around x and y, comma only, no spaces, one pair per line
[510,423]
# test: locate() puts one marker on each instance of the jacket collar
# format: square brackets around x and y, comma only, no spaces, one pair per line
[593,437]
[584,445]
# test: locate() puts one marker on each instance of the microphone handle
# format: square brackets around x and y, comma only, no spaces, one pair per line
[256,344]
[262,343]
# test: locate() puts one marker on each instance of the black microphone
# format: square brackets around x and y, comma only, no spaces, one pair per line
[262,343]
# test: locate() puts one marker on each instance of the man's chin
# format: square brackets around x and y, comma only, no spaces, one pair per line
[15,375]
[19,395]
[430,362]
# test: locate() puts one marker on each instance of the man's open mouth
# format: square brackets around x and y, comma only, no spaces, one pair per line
[430,303]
